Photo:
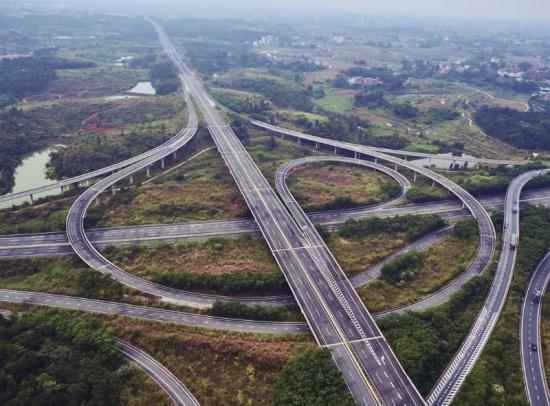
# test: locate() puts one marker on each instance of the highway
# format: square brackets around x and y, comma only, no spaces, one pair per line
[404,153]
[150,313]
[402,181]
[160,374]
[56,243]
[532,361]
[470,350]
[336,315]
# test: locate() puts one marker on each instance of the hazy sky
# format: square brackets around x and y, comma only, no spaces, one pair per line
[484,9]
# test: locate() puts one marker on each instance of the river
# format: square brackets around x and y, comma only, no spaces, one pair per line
[31,173]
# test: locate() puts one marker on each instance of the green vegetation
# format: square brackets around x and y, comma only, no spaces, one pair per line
[311,378]
[232,283]
[61,275]
[415,275]
[334,102]
[51,216]
[529,130]
[466,229]
[426,341]
[404,268]
[499,365]
[242,311]
[331,186]
[53,357]
[414,226]
[421,192]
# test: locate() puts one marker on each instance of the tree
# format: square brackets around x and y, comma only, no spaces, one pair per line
[309,379]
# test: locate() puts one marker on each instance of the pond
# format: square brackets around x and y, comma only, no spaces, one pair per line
[31,173]
[143,88]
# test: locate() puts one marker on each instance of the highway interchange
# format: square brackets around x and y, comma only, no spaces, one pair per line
[336,315]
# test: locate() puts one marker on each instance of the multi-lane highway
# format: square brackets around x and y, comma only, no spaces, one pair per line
[470,350]
[336,315]
[160,374]
[56,243]
[150,313]
[402,181]
[532,362]
[451,158]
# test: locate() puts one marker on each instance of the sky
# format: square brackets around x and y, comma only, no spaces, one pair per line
[518,10]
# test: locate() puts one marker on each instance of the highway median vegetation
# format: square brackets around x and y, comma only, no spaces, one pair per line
[497,376]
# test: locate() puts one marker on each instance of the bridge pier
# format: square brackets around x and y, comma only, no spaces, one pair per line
[395,167]
[162,163]
[414,176]
[148,171]
[175,155]
[316,145]
[113,190]
[131,179]
[375,159]
[32,198]
[433,183]
[356,154]
[335,151]
[299,140]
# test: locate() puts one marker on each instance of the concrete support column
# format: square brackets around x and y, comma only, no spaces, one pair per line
[162,163]
[356,155]
[433,183]
[414,176]
[316,145]
[335,150]
[175,155]
[375,159]
[62,189]
[299,140]
[148,171]
[32,198]
[131,179]
[113,190]
[395,167]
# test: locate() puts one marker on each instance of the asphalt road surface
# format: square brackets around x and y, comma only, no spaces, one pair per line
[470,350]
[530,343]
[150,313]
[56,243]
[335,313]
[160,374]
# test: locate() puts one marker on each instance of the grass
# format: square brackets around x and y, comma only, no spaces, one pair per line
[214,256]
[140,389]
[319,184]
[200,189]
[334,102]
[428,148]
[443,262]
[218,368]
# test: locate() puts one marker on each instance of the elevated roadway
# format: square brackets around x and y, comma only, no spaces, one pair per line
[336,315]
[470,350]
[532,363]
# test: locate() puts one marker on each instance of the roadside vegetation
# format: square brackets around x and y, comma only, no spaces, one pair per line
[497,376]
[332,186]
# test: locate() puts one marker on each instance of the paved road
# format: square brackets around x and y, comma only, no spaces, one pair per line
[150,313]
[531,359]
[160,374]
[56,243]
[401,152]
[403,182]
[462,363]
[331,306]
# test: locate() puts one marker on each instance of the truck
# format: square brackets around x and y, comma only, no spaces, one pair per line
[513,241]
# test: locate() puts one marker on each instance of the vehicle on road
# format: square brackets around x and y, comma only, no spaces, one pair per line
[536,296]
[533,347]
[515,208]
[513,241]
